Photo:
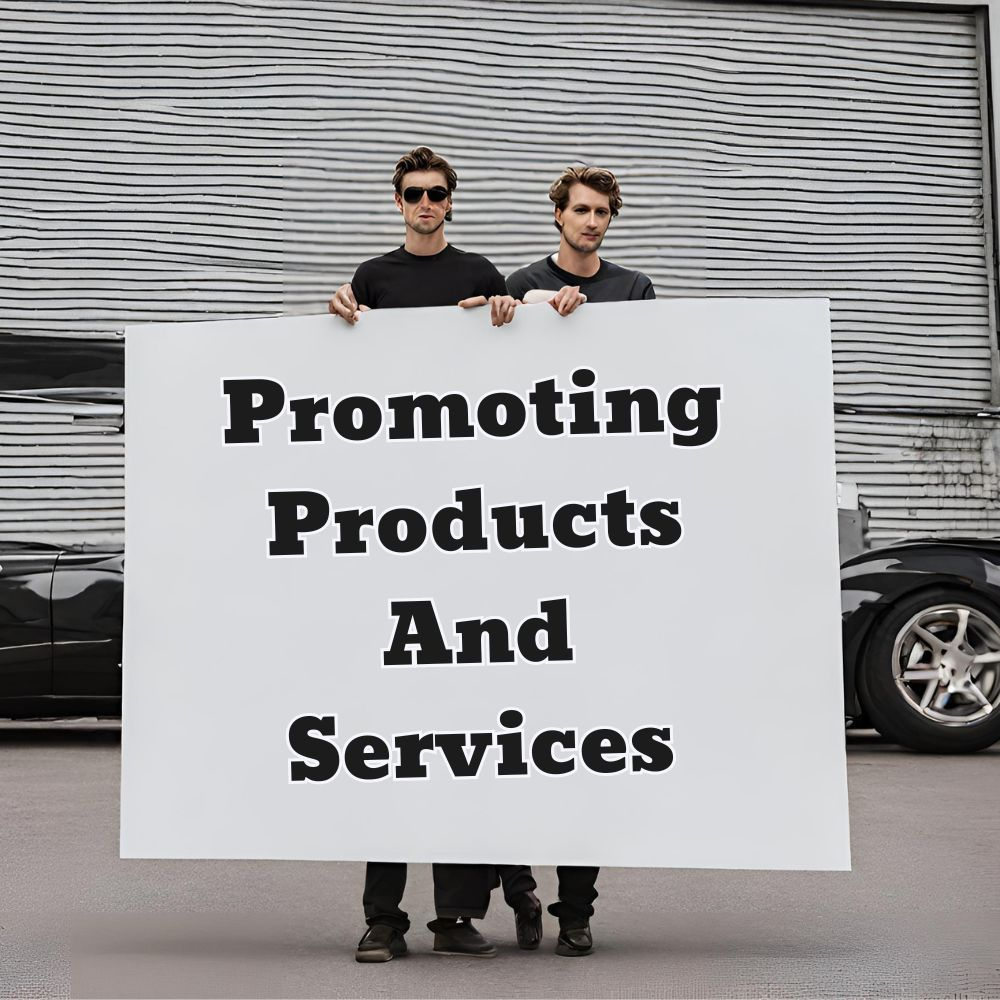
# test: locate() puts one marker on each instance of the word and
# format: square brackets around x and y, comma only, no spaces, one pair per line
[417,625]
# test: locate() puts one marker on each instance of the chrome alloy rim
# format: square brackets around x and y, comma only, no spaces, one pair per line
[946,663]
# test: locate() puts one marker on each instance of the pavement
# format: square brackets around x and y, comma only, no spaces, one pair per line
[918,917]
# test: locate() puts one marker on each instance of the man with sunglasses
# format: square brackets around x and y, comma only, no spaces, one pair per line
[425,271]
[586,199]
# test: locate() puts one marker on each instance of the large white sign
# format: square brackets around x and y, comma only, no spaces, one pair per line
[564,592]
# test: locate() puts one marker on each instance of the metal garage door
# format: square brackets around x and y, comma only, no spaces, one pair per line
[198,160]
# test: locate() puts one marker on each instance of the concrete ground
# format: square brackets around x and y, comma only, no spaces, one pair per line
[919,916]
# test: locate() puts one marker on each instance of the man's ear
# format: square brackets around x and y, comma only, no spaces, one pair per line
[399,200]
[558,218]
[447,211]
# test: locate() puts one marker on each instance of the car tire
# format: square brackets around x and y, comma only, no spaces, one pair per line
[924,677]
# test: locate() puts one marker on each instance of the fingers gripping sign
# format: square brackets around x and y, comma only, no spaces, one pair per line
[567,299]
[502,307]
[564,301]
[344,304]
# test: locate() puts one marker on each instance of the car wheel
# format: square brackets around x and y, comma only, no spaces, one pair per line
[930,674]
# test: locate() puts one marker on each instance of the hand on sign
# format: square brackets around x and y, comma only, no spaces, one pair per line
[501,307]
[344,305]
[567,299]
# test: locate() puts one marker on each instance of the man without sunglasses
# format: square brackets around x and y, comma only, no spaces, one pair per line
[586,199]
[425,271]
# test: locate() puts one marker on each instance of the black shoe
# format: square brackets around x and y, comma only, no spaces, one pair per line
[460,938]
[380,944]
[528,922]
[574,940]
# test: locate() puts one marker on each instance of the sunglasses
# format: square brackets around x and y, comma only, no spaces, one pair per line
[412,195]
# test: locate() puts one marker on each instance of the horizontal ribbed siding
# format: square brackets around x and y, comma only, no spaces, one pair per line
[178,161]
[61,471]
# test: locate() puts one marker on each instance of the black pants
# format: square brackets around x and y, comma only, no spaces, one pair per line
[459,891]
[577,890]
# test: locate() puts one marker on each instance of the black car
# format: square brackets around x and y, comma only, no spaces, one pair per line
[60,631]
[921,629]
[921,633]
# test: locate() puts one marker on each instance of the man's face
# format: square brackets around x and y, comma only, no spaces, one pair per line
[424,216]
[585,219]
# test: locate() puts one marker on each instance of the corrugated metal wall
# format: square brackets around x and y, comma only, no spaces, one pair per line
[61,470]
[188,160]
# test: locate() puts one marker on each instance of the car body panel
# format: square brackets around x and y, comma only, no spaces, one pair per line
[26,620]
[87,593]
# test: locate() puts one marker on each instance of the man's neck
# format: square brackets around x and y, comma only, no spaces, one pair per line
[425,244]
[585,265]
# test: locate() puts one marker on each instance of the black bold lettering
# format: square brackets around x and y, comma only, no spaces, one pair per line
[416,625]
[603,751]
[296,513]
[412,537]
[251,401]
[302,742]
[542,747]
[617,509]
[532,531]
[306,410]
[361,752]
[453,746]
[497,633]
[622,402]
[431,409]
[410,747]
[652,752]
[357,418]
[562,525]
[349,524]
[545,397]
[469,515]
[704,424]
[512,762]
[584,421]
[514,414]
[554,624]
[662,526]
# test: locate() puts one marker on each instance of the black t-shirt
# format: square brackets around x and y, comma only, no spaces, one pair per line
[400,279]
[611,283]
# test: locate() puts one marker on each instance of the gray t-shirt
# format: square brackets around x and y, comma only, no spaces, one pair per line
[611,283]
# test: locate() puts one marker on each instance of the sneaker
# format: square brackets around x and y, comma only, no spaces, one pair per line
[460,938]
[381,943]
[528,922]
[574,940]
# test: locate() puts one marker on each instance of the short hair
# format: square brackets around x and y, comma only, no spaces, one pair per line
[593,177]
[423,158]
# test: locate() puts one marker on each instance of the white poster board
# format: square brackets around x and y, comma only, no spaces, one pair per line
[675,697]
